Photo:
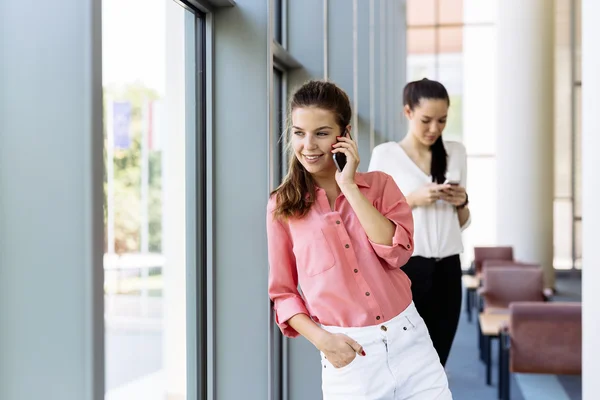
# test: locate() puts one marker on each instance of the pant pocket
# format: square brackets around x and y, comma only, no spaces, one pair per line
[327,364]
[345,382]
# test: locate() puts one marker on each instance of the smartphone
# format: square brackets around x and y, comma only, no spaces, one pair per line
[340,159]
[453,183]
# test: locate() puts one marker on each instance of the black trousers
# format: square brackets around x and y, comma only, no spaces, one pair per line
[437,294]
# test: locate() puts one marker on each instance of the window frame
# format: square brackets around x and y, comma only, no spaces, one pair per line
[282,62]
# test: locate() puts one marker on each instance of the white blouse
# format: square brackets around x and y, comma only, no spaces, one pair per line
[437,229]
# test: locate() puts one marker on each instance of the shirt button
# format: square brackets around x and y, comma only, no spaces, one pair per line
[355,271]
[378,318]
[337,222]
[383,328]
[368,294]
[347,246]
[408,246]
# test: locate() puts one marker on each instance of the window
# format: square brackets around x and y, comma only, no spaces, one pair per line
[434,51]
[278,128]
[282,63]
[448,40]
[567,135]
[154,135]
[278,19]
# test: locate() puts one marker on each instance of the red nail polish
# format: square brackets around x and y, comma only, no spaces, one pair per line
[363,353]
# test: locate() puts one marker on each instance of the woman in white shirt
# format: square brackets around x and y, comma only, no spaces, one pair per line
[434,174]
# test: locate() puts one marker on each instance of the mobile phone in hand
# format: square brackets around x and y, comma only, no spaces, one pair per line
[339,159]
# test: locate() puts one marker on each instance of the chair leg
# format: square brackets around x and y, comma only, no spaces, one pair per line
[488,360]
[500,368]
[504,385]
[480,337]
[468,305]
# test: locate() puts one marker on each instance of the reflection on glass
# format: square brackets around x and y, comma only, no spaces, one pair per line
[144,262]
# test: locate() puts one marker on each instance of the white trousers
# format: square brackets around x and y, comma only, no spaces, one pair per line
[400,363]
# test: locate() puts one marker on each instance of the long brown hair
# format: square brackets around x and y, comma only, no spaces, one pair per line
[296,194]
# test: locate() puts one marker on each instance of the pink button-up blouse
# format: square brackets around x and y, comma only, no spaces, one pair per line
[345,279]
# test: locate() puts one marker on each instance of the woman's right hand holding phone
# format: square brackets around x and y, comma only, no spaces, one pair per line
[426,195]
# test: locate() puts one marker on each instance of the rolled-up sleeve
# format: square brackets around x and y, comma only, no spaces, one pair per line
[392,204]
[283,276]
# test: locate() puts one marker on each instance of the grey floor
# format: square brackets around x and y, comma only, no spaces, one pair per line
[466,373]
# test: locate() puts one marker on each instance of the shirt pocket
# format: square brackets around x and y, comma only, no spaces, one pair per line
[314,254]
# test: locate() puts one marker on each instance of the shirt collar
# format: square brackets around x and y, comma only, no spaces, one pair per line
[359,179]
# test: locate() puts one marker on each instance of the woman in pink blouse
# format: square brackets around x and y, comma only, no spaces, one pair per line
[343,238]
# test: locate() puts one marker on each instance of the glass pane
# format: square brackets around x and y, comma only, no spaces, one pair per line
[421,56]
[562,31]
[450,71]
[577,144]
[421,41]
[419,66]
[481,185]
[578,243]
[277,25]
[563,234]
[577,40]
[149,90]
[479,11]
[563,86]
[420,12]
[450,12]
[450,40]
[479,101]
[278,139]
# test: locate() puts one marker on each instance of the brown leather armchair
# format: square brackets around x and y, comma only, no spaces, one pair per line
[502,286]
[505,284]
[481,254]
[491,253]
[506,263]
[542,338]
